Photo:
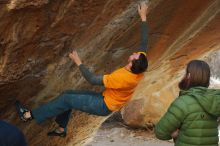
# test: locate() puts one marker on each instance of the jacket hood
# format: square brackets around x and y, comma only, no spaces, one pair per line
[209,99]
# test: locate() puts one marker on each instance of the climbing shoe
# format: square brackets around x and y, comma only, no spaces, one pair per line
[57,133]
[21,111]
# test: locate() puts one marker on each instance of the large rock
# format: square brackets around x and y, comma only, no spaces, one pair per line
[35,39]
[180,31]
[37,35]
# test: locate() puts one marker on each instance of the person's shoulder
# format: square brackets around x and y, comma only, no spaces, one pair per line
[180,102]
[8,128]
[121,70]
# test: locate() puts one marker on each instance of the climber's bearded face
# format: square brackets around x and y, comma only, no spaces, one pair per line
[134,56]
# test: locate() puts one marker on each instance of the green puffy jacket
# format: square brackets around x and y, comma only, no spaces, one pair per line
[195,114]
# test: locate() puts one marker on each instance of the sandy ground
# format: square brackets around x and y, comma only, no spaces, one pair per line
[114,133]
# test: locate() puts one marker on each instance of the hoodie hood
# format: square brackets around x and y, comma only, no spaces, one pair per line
[209,99]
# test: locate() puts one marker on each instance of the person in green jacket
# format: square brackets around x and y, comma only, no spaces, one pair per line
[191,120]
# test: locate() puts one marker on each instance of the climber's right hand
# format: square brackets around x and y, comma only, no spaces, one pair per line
[75,57]
[143,11]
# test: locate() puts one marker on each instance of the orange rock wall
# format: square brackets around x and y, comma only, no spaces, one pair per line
[36,37]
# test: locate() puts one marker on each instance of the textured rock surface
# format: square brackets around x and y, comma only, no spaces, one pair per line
[180,31]
[214,60]
[37,35]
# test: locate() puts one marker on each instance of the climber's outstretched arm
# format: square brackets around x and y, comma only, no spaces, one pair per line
[87,74]
[143,12]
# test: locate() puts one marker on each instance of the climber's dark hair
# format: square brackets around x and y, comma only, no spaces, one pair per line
[139,65]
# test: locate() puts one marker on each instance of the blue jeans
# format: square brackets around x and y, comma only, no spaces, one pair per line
[60,107]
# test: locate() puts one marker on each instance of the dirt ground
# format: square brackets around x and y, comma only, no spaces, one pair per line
[115,133]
